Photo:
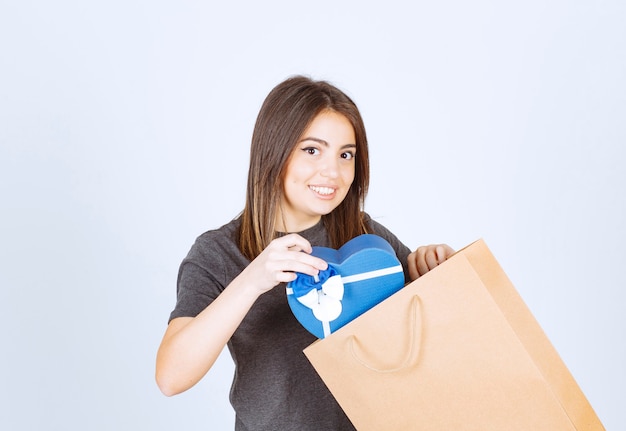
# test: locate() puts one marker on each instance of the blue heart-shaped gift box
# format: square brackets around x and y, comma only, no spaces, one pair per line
[361,274]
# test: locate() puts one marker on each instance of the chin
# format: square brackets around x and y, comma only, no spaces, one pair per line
[326,211]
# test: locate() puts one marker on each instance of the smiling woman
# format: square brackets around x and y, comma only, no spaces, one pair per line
[307,181]
[286,116]
[319,173]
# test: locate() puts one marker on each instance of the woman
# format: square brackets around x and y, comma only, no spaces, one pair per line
[307,182]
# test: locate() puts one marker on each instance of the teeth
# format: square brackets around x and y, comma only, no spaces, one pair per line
[322,190]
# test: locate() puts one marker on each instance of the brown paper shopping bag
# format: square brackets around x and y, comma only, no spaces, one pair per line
[456,349]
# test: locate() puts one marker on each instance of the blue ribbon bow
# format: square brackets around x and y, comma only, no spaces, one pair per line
[322,294]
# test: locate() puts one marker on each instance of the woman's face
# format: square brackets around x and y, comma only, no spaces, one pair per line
[319,172]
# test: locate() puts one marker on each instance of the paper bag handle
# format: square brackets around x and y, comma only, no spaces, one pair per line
[414,337]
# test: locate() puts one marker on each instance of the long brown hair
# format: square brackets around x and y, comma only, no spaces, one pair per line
[284,116]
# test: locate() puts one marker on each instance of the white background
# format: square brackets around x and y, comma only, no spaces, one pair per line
[124,133]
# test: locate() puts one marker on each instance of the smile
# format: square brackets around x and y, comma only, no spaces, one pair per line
[325,191]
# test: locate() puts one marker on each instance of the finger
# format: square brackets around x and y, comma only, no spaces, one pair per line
[294,261]
[422,265]
[306,258]
[294,242]
[285,276]
[440,254]
[445,253]
[431,258]
[412,264]
[312,264]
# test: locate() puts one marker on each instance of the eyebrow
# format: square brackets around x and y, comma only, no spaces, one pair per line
[323,142]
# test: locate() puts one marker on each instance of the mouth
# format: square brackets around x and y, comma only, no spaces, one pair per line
[323,191]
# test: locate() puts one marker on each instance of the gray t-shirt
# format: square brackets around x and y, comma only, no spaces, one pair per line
[274,387]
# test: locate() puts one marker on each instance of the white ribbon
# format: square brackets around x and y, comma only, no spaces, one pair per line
[372,274]
[325,302]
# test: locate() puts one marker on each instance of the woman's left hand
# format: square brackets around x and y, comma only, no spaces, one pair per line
[426,258]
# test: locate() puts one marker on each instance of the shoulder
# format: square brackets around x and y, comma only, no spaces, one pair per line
[217,244]
[210,265]
[224,234]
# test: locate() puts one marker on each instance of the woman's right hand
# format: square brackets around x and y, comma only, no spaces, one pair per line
[280,261]
[190,346]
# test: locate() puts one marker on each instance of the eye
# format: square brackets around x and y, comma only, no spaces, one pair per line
[311,150]
[348,155]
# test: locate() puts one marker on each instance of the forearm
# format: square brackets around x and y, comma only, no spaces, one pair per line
[191,346]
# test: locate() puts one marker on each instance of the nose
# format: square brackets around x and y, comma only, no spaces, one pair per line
[330,169]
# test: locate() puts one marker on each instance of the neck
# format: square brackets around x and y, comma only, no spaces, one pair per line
[286,225]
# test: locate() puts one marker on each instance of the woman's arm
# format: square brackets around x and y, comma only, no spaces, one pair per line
[191,345]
